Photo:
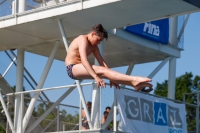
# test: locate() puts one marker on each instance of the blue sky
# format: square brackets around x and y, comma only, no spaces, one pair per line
[189,62]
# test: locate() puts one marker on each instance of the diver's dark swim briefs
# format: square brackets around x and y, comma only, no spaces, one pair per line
[69,71]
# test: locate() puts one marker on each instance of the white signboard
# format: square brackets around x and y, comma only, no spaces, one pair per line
[142,113]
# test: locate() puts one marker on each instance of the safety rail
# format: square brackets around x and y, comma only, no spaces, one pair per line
[197,93]
[50,123]
[8,7]
[59,122]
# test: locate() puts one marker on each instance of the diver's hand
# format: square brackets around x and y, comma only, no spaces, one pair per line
[114,84]
[100,82]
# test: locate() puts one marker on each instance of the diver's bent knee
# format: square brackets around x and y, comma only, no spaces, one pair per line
[100,69]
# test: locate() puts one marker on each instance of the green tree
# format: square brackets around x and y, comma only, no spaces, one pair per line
[2,130]
[184,84]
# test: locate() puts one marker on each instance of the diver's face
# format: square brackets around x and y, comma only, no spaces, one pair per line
[96,40]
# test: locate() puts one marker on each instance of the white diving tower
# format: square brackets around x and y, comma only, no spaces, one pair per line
[48,27]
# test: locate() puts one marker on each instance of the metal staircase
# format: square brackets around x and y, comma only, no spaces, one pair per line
[6,88]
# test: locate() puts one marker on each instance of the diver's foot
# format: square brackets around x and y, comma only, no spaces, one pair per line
[138,80]
[141,87]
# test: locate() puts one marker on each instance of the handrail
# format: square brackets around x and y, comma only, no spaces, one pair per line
[53,88]
[90,83]
[66,105]
[193,105]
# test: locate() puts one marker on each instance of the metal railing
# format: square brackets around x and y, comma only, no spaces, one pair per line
[59,123]
[45,119]
[8,7]
[196,108]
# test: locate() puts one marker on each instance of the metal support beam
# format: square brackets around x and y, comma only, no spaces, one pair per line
[19,86]
[96,98]
[145,42]
[129,71]
[183,27]
[159,67]
[63,127]
[49,110]
[22,6]
[80,116]
[40,85]
[115,112]
[77,81]
[172,78]
[58,118]
[46,127]
[9,67]
[84,103]
[63,34]
[29,75]
[22,113]
[173,31]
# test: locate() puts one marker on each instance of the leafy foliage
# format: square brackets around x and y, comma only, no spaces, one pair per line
[184,84]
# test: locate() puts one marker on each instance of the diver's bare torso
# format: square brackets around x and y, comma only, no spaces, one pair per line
[73,54]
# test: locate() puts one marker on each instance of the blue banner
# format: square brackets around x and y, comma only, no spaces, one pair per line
[157,31]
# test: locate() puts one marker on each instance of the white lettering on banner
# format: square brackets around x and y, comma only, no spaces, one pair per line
[156,114]
[152,29]
[174,121]
[146,110]
[160,116]
[137,110]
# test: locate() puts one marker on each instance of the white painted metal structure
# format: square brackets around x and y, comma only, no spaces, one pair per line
[37,31]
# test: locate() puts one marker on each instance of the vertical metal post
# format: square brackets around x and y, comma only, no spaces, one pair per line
[84,103]
[7,124]
[19,86]
[173,31]
[96,95]
[58,118]
[172,62]
[63,127]
[22,113]
[172,78]
[13,7]
[100,105]
[81,4]
[115,112]
[184,98]
[197,114]
[80,116]
[22,5]
[6,112]
[40,84]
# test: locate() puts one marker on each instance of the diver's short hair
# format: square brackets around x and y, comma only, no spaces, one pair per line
[100,31]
